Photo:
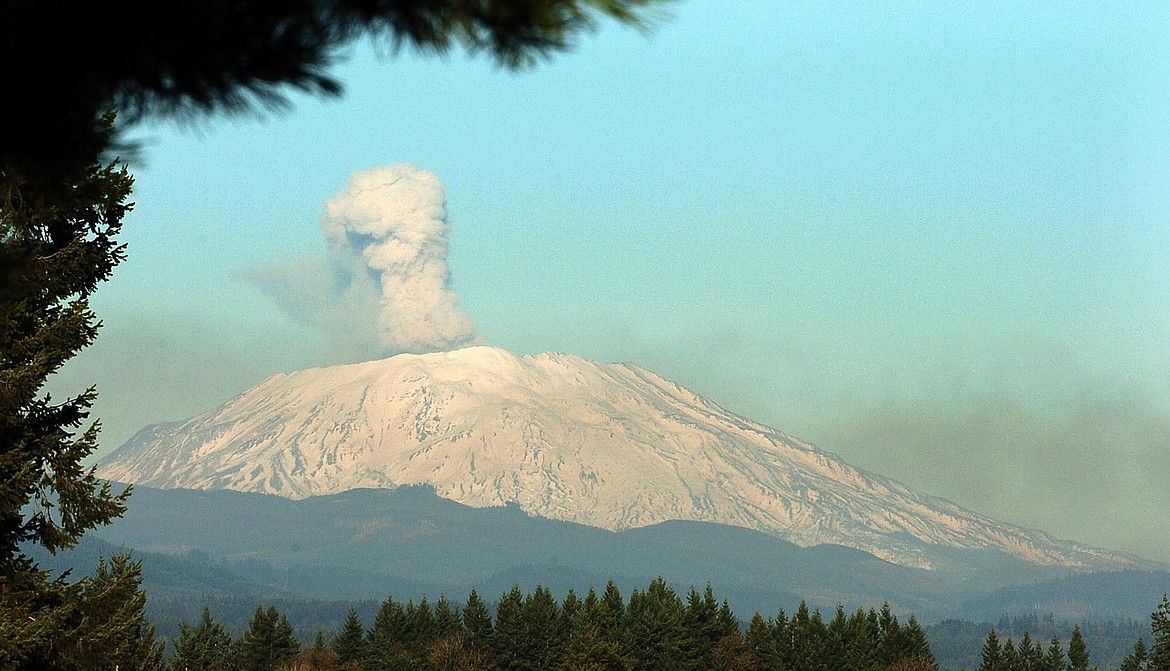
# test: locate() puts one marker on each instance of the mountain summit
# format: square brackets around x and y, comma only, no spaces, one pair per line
[607,445]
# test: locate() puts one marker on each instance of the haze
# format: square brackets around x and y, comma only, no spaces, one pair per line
[931,239]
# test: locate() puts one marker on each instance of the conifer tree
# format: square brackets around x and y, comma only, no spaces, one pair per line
[1078,652]
[477,621]
[1011,658]
[508,632]
[1159,656]
[419,631]
[111,629]
[702,625]
[782,638]
[58,229]
[1031,654]
[992,654]
[350,642]
[386,638]
[570,606]
[759,639]
[544,634]
[613,607]
[594,644]
[916,646]
[204,647]
[837,639]
[656,637]
[808,641]
[1054,658]
[1136,660]
[861,643]
[447,619]
[239,57]
[891,641]
[267,643]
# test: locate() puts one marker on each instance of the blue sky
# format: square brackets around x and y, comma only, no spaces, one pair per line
[932,239]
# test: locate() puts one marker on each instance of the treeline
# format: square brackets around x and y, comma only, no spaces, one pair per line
[957,643]
[1026,654]
[653,629]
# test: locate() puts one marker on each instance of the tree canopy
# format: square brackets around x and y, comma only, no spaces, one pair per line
[154,60]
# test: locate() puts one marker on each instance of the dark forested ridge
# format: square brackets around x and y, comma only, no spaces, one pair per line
[364,544]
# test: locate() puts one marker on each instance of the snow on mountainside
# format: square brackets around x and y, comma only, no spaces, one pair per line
[608,445]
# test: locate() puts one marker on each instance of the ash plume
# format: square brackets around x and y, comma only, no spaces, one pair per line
[384,287]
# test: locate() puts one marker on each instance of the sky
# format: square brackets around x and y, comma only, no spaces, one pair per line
[932,239]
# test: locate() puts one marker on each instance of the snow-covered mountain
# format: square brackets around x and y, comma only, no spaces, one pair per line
[607,445]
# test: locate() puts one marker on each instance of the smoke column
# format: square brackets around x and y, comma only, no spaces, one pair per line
[385,285]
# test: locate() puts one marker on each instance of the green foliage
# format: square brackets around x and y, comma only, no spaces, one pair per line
[58,228]
[204,647]
[350,643]
[205,57]
[57,243]
[97,622]
[1054,658]
[111,626]
[1159,659]
[477,621]
[992,656]
[267,643]
[656,635]
[385,642]
[1078,652]
[1136,660]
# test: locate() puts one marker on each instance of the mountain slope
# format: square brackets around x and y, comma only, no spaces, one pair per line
[607,445]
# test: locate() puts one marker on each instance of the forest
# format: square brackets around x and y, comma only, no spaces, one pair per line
[651,628]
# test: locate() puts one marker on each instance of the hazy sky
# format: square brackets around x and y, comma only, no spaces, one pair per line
[932,239]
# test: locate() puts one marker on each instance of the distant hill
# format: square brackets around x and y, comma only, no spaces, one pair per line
[409,542]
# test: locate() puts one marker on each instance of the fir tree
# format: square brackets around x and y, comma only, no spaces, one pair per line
[507,642]
[477,621]
[1011,658]
[1136,660]
[702,624]
[544,632]
[654,627]
[419,631]
[1159,657]
[1054,658]
[992,654]
[1078,652]
[240,57]
[267,643]
[861,643]
[613,607]
[58,229]
[386,638]
[759,639]
[1031,654]
[350,643]
[916,646]
[447,619]
[112,630]
[570,606]
[204,647]
[808,641]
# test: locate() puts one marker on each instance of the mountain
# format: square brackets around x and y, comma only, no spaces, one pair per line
[612,446]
